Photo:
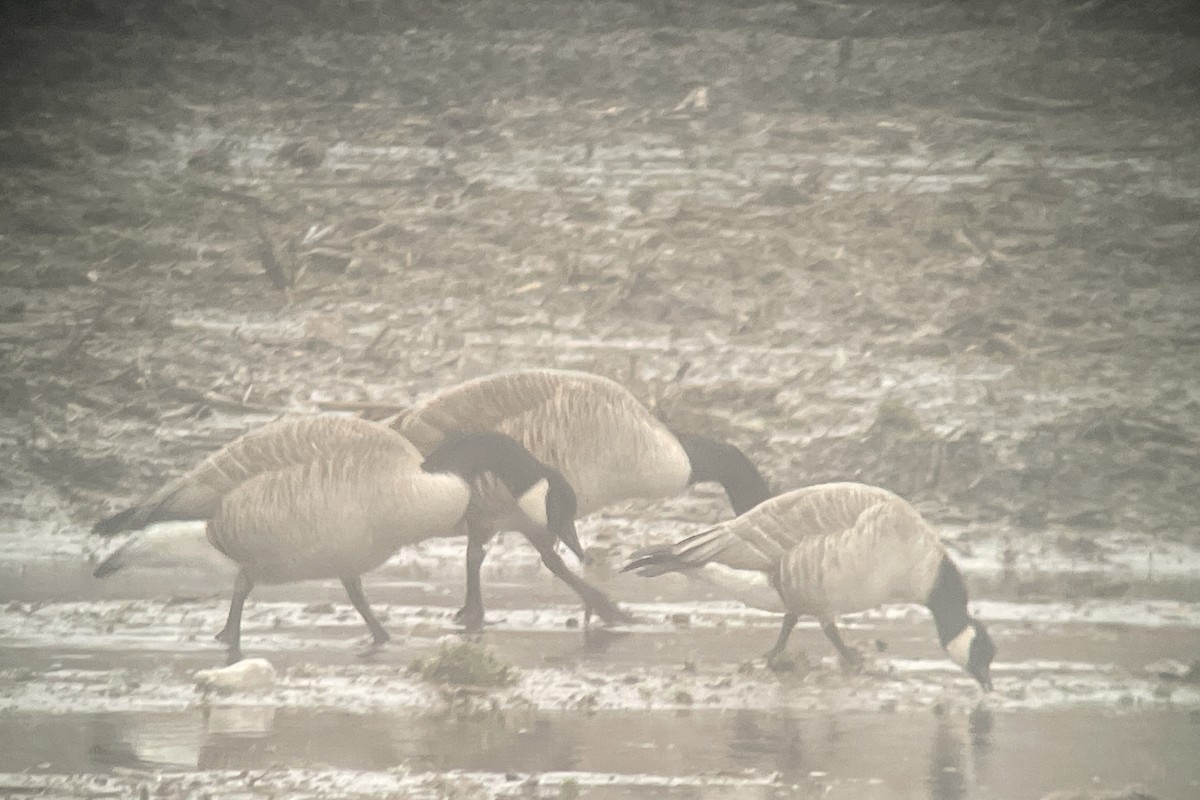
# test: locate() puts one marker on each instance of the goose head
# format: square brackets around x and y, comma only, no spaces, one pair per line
[973,650]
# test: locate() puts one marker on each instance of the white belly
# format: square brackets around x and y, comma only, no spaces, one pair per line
[751,588]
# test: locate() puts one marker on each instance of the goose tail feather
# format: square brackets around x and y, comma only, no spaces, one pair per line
[126,520]
[114,563]
[690,553]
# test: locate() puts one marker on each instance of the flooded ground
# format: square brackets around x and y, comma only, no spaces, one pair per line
[946,248]
[98,690]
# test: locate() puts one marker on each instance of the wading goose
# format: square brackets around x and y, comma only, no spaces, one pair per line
[834,549]
[604,441]
[334,497]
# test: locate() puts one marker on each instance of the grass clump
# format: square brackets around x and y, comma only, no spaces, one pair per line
[568,790]
[786,662]
[464,664]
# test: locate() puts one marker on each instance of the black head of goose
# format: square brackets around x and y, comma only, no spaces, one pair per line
[834,549]
[965,639]
[540,492]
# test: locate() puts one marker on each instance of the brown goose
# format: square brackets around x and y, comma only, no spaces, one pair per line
[834,549]
[605,442]
[334,497]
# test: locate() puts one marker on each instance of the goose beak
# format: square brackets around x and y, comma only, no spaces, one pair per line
[571,539]
[984,676]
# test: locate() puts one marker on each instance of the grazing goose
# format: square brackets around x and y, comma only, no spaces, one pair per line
[838,548]
[334,497]
[604,441]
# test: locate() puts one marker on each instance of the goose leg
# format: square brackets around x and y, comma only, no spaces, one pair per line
[231,634]
[470,616]
[354,590]
[851,659]
[785,632]
[594,600]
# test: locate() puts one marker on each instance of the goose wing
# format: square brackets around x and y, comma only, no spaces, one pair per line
[338,515]
[605,442]
[759,539]
[197,493]
[497,402]
[874,547]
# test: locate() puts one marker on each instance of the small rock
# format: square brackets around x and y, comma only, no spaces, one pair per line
[305,155]
[319,608]
[681,619]
[251,674]
[1173,670]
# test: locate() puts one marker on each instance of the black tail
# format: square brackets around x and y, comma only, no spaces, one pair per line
[652,561]
[108,566]
[121,521]
[689,553]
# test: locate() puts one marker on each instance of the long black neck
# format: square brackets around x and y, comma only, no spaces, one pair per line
[469,454]
[717,461]
[948,602]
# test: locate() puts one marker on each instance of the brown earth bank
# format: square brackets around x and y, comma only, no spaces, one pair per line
[950,248]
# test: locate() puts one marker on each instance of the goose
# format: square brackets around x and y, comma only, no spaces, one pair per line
[604,441]
[837,548]
[334,497]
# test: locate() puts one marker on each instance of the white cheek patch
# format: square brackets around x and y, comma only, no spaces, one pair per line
[533,502]
[959,648]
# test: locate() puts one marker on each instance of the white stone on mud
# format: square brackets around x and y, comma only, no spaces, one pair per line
[248,675]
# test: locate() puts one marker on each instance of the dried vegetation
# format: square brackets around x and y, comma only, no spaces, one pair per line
[946,247]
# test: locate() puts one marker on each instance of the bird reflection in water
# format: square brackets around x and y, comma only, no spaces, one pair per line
[779,739]
[255,737]
[950,773]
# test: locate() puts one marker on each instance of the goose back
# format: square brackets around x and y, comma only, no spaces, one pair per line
[605,442]
[197,494]
[759,539]
[865,547]
[339,516]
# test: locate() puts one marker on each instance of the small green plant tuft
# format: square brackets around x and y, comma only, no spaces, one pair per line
[785,662]
[568,790]
[464,664]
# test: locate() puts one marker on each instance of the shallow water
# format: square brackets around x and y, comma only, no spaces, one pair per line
[942,756]
[97,694]
[96,685]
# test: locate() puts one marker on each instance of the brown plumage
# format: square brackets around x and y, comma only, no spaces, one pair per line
[197,493]
[334,497]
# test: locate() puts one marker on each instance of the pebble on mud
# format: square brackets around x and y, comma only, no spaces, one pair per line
[1171,669]
[248,675]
